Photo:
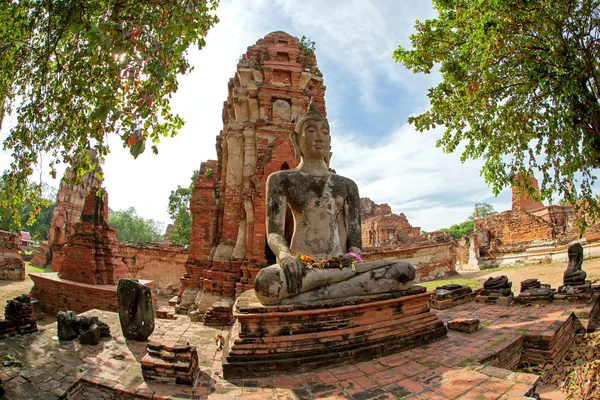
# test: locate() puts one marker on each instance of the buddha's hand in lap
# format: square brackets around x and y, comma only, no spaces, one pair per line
[293,269]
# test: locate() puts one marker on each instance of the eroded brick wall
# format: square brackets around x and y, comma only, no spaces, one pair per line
[163,264]
[430,262]
[12,267]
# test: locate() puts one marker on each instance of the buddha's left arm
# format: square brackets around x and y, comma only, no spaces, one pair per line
[354,231]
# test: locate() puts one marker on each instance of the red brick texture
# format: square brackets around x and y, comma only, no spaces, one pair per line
[278,339]
[12,267]
[91,253]
[274,82]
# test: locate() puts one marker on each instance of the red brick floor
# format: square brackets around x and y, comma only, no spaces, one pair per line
[447,369]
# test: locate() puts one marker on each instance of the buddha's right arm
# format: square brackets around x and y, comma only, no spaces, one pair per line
[276,208]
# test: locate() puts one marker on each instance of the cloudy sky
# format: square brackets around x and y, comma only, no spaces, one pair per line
[369,98]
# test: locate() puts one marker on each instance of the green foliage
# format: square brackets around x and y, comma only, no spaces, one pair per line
[134,228]
[307,45]
[77,73]
[38,227]
[520,89]
[179,210]
[483,210]
[460,230]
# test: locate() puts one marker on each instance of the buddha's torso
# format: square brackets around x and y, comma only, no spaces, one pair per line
[317,203]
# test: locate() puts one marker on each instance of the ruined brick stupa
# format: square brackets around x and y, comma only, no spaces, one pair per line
[274,83]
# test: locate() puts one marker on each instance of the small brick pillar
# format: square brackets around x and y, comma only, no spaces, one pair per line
[171,362]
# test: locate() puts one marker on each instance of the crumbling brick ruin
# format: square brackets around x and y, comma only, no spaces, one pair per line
[12,267]
[91,253]
[67,211]
[274,83]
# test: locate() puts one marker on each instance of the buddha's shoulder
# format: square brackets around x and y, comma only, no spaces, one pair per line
[343,180]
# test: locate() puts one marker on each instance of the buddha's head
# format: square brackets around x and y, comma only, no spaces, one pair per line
[311,136]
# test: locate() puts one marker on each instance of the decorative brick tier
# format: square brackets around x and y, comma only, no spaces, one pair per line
[269,340]
[56,294]
[501,297]
[171,362]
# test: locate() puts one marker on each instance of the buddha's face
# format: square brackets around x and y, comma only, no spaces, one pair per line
[314,141]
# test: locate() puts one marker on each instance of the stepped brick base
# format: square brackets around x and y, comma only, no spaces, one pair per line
[502,297]
[171,362]
[219,314]
[166,312]
[551,345]
[269,340]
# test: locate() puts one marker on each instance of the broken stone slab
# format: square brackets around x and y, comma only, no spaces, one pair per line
[464,325]
[447,292]
[135,309]
[498,282]
[90,336]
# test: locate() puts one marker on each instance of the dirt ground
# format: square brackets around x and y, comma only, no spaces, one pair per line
[11,289]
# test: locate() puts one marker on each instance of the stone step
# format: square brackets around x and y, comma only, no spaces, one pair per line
[166,312]
[173,301]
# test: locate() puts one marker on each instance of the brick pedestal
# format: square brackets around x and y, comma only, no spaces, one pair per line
[269,340]
[171,362]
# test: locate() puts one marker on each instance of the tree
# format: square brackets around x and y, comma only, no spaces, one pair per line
[179,210]
[520,88]
[483,210]
[459,230]
[39,228]
[76,73]
[134,228]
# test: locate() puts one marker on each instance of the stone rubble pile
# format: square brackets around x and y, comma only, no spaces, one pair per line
[19,317]
[89,329]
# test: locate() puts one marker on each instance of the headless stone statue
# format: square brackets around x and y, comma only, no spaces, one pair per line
[326,211]
[574,275]
[135,309]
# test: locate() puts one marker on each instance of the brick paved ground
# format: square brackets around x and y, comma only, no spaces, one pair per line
[445,369]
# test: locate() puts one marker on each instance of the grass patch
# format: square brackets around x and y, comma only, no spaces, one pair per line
[522,331]
[36,270]
[431,285]
[501,339]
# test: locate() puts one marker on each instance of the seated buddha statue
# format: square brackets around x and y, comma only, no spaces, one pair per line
[322,261]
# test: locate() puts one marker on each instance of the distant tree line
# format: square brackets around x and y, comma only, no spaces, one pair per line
[459,230]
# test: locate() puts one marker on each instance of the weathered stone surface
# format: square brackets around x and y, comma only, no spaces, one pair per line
[135,309]
[90,336]
[12,267]
[91,253]
[498,282]
[536,295]
[321,261]
[227,205]
[528,284]
[64,324]
[464,325]
[496,290]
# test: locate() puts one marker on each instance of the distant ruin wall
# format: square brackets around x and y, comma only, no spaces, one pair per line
[514,228]
[162,264]
[12,267]
[430,262]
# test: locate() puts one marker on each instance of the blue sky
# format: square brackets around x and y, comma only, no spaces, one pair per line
[369,98]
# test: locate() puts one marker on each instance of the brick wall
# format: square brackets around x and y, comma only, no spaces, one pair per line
[163,264]
[56,294]
[430,262]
